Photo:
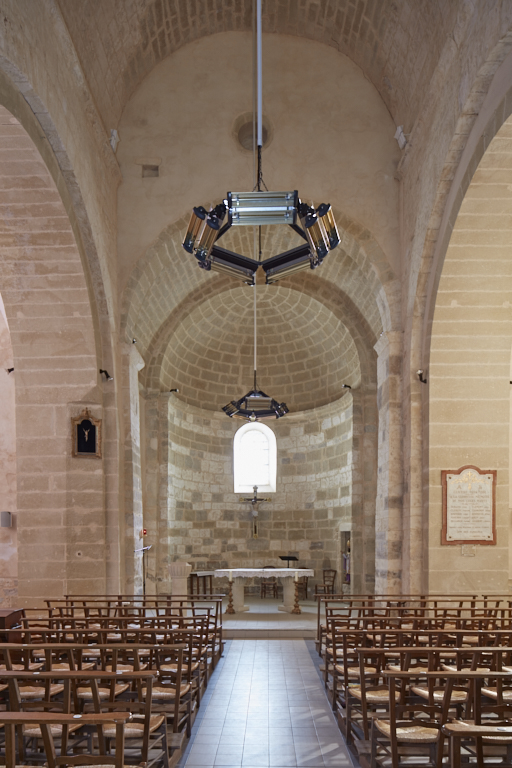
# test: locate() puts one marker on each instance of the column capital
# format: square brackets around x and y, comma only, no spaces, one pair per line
[389,342]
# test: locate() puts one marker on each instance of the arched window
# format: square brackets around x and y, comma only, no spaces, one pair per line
[255,458]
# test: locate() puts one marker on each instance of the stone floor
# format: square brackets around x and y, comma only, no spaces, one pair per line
[265,707]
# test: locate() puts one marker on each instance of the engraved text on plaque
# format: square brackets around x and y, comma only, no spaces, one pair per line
[469,506]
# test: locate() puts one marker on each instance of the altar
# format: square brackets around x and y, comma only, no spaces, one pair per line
[287,576]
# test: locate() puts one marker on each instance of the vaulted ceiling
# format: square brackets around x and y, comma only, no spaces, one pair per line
[397,43]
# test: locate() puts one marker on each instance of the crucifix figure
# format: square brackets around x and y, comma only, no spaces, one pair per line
[254,501]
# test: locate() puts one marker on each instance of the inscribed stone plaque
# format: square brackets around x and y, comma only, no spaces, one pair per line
[469,506]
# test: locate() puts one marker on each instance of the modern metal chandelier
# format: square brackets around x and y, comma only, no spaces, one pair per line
[316,226]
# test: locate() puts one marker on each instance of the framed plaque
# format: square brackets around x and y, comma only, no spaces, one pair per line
[469,506]
[86,434]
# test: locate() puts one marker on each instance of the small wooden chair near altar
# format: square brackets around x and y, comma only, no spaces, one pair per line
[327,586]
[268,587]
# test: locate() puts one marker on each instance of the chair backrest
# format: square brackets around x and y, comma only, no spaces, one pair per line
[329,576]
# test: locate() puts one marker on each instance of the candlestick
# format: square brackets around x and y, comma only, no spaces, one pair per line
[296,606]
[230,608]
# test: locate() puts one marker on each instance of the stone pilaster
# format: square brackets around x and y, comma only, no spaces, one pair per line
[388,513]
[133,522]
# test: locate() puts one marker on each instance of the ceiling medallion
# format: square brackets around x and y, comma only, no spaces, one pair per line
[254,209]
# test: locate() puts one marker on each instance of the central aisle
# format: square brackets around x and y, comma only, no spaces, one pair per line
[266,708]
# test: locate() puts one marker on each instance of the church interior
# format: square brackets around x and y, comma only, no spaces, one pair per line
[119,353]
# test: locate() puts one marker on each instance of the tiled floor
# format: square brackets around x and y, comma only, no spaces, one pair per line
[265,707]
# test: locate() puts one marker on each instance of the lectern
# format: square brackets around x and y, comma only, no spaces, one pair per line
[289,559]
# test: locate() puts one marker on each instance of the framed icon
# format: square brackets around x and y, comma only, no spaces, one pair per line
[86,433]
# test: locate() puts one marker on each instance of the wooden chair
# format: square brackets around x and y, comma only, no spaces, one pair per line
[327,586]
[268,587]
[412,732]
[48,722]
[303,587]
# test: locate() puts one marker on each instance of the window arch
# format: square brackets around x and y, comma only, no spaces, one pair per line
[254,458]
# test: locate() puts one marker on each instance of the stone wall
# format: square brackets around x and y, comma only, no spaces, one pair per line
[469,377]
[210,528]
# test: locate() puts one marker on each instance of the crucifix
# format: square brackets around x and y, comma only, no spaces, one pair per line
[254,501]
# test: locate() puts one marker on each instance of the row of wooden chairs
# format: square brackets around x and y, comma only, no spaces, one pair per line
[410,688]
[161,710]
[92,658]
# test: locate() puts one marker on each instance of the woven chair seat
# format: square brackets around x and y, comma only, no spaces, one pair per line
[497,739]
[492,693]
[372,696]
[65,666]
[354,671]
[457,696]
[413,670]
[92,653]
[104,693]
[453,668]
[174,667]
[21,668]
[28,692]
[125,667]
[134,730]
[416,734]
[166,694]
[3,687]
[34,731]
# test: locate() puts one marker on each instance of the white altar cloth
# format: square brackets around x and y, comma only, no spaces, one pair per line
[286,574]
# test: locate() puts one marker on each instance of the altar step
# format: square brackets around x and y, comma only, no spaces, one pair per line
[231,633]
[265,622]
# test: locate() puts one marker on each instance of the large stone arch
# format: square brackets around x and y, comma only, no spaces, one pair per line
[488,105]
[166,274]
[166,287]
[470,363]
[60,517]
[18,95]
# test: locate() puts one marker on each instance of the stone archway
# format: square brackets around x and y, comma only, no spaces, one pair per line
[60,518]
[469,369]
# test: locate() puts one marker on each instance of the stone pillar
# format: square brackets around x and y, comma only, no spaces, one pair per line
[8,536]
[133,363]
[164,499]
[388,513]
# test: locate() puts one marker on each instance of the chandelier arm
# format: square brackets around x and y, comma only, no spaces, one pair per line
[223,230]
[296,229]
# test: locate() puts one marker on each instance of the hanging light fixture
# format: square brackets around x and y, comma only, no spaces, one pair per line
[257,208]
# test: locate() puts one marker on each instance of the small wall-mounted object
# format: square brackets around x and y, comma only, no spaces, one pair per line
[114,139]
[86,435]
[174,390]
[10,370]
[106,374]
[5,519]
[401,137]
[421,377]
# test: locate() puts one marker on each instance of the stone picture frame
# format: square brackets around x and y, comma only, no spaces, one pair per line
[474,475]
[86,436]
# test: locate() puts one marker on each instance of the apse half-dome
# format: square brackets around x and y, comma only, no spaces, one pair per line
[305,353]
